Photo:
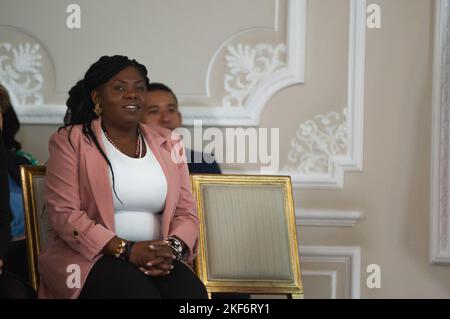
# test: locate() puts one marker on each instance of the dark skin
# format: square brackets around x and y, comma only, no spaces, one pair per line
[125,89]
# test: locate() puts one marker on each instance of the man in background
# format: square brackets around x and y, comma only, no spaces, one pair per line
[162,110]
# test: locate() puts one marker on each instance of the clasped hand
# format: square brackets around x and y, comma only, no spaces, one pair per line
[154,258]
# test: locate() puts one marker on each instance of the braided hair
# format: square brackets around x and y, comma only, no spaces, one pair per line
[80,107]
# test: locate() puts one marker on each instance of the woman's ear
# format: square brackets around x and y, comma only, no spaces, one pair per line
[95,96]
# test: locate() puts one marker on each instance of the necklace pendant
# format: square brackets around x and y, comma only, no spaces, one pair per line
[139,145]
[138,150]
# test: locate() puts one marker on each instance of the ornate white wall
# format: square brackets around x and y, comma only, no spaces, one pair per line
[298,65]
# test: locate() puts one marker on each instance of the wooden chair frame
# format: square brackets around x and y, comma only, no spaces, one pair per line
[32,225]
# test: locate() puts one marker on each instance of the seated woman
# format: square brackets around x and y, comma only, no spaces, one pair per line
[13,255]
[122,211]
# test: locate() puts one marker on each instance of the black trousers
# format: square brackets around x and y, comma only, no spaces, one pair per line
[113,278]
[14,277]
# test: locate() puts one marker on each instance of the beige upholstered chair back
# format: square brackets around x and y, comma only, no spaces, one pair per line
[247,234]
[37,226]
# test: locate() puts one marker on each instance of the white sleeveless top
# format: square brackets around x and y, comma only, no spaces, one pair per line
[141,185]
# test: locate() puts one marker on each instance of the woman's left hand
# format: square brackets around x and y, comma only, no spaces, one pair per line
[163,266]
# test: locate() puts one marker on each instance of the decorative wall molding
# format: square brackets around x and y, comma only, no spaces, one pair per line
[331,274]
[248,67]
[326,218]
[440,158]
[21,72]
[26,71]
[317,142]
[255,100]
[326,162]
[350,256]
[316,176]
[44,114]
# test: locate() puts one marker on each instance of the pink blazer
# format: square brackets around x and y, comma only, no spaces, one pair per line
[79,203]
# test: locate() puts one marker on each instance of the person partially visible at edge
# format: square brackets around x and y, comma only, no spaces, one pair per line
[15,157]
[122,211]
[162,110]
[13,256]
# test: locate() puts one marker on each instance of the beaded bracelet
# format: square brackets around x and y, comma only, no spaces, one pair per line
[121,249]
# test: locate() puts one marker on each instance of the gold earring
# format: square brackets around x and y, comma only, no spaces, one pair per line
[97,109]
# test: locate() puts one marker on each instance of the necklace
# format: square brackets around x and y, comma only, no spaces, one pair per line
[138,152]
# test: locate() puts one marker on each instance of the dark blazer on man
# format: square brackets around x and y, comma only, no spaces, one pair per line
[202,167]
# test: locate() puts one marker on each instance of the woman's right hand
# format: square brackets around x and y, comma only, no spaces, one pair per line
[154,258]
